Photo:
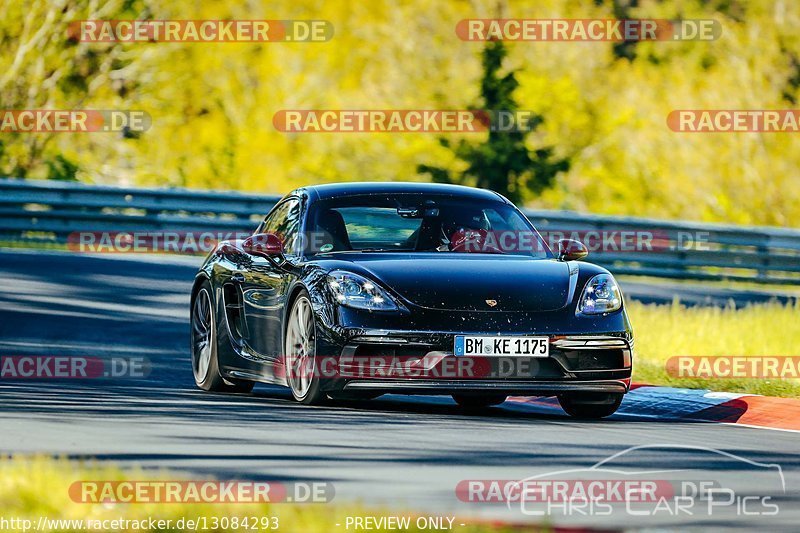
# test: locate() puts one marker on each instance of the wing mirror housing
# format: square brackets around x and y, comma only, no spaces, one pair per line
[266,245]
[571,250]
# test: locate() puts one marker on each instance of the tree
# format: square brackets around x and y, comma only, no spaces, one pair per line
[503,162]
[44,66]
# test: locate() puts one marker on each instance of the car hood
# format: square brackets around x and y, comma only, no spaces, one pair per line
[469,282]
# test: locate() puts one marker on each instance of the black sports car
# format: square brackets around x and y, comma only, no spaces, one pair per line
[355,290]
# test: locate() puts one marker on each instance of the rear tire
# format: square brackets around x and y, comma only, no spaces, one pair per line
[590,406]
[205,365]
[477,402]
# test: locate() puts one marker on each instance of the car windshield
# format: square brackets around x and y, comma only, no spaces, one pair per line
[421,223]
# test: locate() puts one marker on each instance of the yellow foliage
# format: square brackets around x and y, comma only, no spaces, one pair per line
[212,104]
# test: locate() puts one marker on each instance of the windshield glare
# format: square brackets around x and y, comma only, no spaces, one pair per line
[415,223]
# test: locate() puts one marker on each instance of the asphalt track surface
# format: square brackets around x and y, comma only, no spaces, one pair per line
[400,453]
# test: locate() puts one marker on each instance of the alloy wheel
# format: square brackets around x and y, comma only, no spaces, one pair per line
[300,348]
[202,335]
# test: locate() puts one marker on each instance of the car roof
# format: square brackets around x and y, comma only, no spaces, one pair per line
[335,190]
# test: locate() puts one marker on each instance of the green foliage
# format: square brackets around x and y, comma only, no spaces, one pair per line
[62,169]
[602,110]
[41,68]
[503,163]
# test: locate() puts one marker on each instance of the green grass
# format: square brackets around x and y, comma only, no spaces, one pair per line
[31,487]
[38,245]
[663,331]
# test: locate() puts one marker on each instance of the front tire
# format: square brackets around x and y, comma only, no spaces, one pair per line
[591,406]
[205,365]
[300,349]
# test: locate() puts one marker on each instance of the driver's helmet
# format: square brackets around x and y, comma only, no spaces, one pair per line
[463,220]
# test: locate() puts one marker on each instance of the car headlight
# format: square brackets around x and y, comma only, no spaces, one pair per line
[357,291]
[601,295]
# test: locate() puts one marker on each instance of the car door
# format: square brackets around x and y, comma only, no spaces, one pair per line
[264,284]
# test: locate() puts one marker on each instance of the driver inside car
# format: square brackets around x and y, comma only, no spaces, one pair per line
[455,230]
[464,231]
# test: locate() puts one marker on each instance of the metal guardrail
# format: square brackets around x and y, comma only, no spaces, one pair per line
[49,212]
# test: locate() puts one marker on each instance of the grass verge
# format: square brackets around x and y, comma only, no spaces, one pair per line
[663,331]
[32,488]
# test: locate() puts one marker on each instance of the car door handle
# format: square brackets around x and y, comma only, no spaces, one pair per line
[238,277]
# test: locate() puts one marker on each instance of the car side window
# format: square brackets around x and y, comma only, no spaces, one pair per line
[284,222]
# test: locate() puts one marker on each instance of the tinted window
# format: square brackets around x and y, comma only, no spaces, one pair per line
[377,226]
[421,223]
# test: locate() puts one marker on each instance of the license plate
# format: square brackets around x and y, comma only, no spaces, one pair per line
[492,346]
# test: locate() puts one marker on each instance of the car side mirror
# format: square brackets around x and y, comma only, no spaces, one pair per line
[571,250]
[266,245]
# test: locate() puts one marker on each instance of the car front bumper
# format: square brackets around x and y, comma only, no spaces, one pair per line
[517,388]
[408,362]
